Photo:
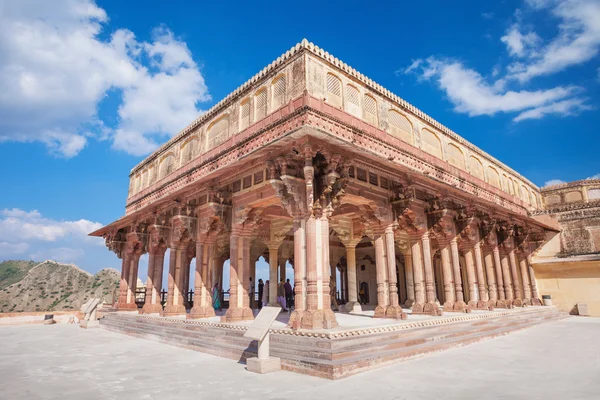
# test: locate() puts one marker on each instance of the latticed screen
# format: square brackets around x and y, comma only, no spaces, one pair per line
[279,92]
[352,95]
[400,126]
[370,107]
[245,115]
[334,85]
[218,133]
[261,104]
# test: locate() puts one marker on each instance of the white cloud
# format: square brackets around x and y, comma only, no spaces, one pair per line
[20,225]
[487,15]
[55,69]
[553,182]
[472,94]
[517,43]
[597,176]
[577,41]
[30,235]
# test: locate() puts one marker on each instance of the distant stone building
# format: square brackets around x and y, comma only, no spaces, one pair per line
[311,161]
[568,266]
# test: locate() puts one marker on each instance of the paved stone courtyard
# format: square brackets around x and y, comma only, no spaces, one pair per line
[556,360]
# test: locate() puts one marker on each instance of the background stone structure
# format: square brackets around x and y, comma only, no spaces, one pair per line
[568,266]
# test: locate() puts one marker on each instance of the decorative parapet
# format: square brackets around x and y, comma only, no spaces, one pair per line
[218,110]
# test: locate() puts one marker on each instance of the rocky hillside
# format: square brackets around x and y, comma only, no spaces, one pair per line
[51,286]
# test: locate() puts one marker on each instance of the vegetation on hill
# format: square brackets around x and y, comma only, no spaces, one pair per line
[13,271]
[52,286]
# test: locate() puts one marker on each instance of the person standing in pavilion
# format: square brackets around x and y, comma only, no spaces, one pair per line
[261,287]
[289,293]
[265,295]
[281,295]
[216,297]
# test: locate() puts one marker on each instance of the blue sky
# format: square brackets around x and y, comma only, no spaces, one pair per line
[87,89]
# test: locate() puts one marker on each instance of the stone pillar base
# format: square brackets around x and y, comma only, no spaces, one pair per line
[409,303]
[427,308]
[536,302]
[263,366]
[151,308]
[395,312]
[238,314]
[380,312]
[173,310]
[353,307]
[481,305]
[201,312]
[315,319]
[89,324]
[526,302]
[518,303]
[501,304]
[461,306]
[448,306]
[127,307]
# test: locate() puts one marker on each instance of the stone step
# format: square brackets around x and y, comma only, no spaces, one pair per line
[332,356]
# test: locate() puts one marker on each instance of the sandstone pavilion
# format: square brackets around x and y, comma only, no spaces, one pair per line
[312,163]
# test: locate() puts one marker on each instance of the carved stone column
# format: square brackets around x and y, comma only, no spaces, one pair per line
[501,302]
[175,304]
[234,312]
[202,291]
[410,280]
[459,304]
[381,267]
[470,266]
[484,296]
[418,276]
[535,297]
[518,298]
[156,250]
[124,289]
[393,310]
[430,307]
[352,305]
[525,278]
[300,273]
[507,279]
[273,253]
[491,277]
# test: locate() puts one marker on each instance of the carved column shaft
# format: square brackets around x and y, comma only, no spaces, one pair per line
[514,271]
[499,279]
[352,288]
[380,265]
[525,278]
[506,277]
[391,267]
[470,265]
[417,263]
[449,298]
[483,293]
[410,282]
[458,287]
[428,268]
[491,277]
[175,296]
[124,287]
[273,250]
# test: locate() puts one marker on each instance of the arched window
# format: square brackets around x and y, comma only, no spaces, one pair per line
[278,92]
[476,168]
[144,179]
[505,184]
[400,126]
[573,196]
[151,175]
[189,150]
[456,156]
[334,90]
[431,143]
[260,101]
[493,177]
[593,194]
[245,114]
[352,100]
[370,110]
[218,132]
[524,194]
[533,200]
[516,188]
[167,165]
[552,199]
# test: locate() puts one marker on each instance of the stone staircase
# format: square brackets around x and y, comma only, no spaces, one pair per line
[339,353]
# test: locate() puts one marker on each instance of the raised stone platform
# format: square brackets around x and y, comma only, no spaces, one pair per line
[358,344]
